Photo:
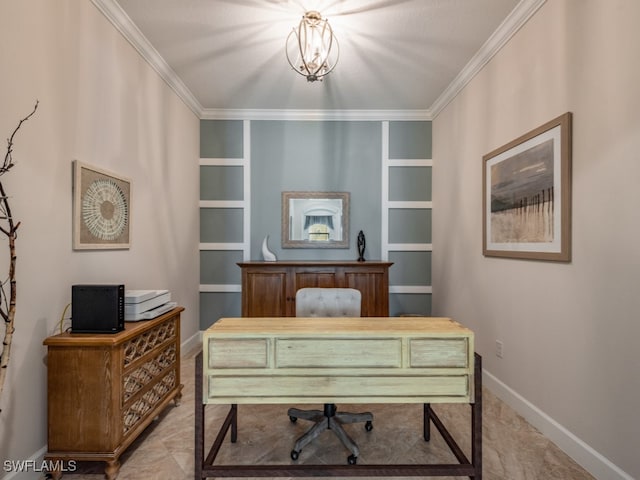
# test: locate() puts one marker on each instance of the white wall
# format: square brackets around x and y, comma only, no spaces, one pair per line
[100,103]
[570,330]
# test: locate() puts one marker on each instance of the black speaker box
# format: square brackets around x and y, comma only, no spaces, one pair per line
[97,308]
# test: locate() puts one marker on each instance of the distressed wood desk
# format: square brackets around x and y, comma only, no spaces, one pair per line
[338,360]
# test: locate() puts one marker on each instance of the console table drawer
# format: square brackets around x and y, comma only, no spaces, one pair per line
[143,344]
[137,379]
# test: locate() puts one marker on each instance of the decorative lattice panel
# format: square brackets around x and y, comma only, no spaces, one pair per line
[145,373]
[142,344]
[132,415]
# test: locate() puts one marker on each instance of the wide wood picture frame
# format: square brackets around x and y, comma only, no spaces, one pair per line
[101,209]
[329,208]
[526,195]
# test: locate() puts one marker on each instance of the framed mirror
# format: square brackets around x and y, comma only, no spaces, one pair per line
[315,220]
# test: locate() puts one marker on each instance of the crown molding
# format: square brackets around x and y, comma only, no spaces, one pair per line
[121,21]
[351,115]
[507,29]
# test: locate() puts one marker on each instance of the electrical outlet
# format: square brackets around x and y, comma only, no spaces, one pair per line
[499,348]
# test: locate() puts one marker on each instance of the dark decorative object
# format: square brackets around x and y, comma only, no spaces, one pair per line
[362,243]
[9,228]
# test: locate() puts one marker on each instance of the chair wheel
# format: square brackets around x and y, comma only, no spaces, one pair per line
[368,426]
[293,419]
[294,455]
[352,459]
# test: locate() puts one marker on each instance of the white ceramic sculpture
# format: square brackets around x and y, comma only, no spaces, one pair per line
[267,254]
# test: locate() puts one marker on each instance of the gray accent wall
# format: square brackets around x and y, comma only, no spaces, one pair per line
[409,183]
[221,225]
[221,139]
[410,140]
[409,216]
[315,156]
[341,156]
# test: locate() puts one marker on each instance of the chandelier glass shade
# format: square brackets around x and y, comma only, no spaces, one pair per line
[312,49]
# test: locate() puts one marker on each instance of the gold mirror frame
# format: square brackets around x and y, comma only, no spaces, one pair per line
[294,219]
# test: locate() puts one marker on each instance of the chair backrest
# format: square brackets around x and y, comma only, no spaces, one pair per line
[328,302]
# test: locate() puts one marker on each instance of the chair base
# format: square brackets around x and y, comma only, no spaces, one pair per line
[329,419]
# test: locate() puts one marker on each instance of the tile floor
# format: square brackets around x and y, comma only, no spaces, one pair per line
[512,449]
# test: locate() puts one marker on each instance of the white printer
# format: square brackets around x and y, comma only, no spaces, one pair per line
[146,304]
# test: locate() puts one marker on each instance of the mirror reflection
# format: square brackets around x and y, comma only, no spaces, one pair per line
[315,219]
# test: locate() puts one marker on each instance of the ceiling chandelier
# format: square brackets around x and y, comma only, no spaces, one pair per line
[312,45]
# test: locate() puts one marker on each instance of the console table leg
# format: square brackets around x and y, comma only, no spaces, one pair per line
[56,474]
[426,422]
[112,470]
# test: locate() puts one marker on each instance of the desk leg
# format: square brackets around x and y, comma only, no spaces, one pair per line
[234,423]
[425,422]
[199,419]
[476,420]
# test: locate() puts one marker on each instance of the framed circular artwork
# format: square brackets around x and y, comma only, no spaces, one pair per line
[101,209]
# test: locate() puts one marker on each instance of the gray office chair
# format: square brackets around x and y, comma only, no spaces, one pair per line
[328,302]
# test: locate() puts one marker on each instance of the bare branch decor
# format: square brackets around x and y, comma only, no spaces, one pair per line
[10,229]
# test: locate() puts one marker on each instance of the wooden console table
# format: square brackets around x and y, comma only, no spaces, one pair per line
[105,389]
[372,360]
[269,288]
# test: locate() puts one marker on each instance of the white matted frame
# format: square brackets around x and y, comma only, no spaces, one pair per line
[526,190]
[101,209]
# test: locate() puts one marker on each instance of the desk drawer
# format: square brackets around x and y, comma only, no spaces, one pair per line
[238,353]
[438,352]
[338,353]
[298,388]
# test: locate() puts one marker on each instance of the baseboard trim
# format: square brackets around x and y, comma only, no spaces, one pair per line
[587,457]
[31,466]
[191,343]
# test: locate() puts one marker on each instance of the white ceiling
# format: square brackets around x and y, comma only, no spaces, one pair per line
[227,57]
